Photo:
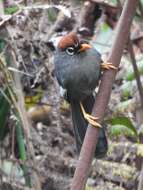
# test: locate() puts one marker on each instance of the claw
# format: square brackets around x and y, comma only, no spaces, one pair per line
[91,119]
[108,66]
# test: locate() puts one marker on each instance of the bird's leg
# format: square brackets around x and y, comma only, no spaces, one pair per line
[108,66]
[91,119]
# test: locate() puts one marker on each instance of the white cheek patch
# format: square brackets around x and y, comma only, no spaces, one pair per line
[62,91]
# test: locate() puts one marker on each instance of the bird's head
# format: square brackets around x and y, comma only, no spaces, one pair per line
[72,45]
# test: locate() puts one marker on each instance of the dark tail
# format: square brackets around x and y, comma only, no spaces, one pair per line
[80,125]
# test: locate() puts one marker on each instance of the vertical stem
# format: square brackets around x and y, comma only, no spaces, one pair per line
[140,185]
[25,2]
[136,71]
[22,151]
[141,8]
[1,8]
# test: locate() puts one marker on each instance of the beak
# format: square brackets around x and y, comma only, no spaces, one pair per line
[84,47]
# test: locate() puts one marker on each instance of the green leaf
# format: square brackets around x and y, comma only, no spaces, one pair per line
[129,89]
[123,121]
[4,110]
[31,101]
[129,76]
[11,10]
[22,150]
[119,130]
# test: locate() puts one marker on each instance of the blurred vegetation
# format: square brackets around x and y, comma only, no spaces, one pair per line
[122,119]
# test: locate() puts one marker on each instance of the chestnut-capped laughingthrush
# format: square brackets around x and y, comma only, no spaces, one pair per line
[78,69]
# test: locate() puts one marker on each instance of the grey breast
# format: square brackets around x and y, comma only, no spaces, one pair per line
[79,73]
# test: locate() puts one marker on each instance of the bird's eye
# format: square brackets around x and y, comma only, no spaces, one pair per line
[70,51]
[76,44]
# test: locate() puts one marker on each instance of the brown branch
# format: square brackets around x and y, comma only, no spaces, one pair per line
[136,71]
[89,15]
[102,99]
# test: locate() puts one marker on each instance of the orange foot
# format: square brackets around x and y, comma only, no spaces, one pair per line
[91,119]
[108,66]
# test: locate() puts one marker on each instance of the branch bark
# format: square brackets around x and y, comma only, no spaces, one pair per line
[89,15]
[102,99]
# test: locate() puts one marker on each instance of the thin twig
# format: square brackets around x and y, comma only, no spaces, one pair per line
[23,116]
[140,8]
[140,184]
[1,8]
[136,71]
[13,142]
[26,126]
[7,18]
[102,99]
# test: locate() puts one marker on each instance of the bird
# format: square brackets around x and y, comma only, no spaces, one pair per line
[78,69]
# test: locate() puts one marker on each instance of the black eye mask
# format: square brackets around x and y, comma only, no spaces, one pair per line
[50,45]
